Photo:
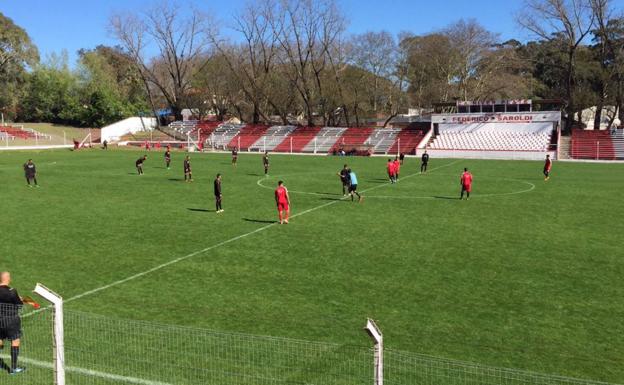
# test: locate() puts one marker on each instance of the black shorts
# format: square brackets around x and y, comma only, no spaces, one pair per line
[30,176]
[10,328]
[353,188]
[187,171]
[546,172]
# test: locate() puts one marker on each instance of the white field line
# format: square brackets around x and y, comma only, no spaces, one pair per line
[195,253]
[87,372]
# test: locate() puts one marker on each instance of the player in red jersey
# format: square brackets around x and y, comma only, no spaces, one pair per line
[547,167]
[466,183]
[283,202]
[391,172]
[397,168]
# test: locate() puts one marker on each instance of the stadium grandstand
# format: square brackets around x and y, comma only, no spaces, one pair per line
[597,144]
[496,129]
[19,132]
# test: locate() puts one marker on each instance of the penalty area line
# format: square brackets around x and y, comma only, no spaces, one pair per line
[87,372]
[206,249]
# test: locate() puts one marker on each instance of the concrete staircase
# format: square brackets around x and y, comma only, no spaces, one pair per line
[564,147]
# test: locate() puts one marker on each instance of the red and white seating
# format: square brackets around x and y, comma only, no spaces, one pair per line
[382,139]
[494,137]
[590,144]
[298,139]
[222,136]
[272,138]
[324,139]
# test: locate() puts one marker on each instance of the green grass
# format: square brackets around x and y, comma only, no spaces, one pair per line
[529,280]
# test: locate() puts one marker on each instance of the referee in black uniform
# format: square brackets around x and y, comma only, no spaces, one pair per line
[10,323]
[218,194]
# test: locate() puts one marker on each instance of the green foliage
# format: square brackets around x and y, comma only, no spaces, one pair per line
[17,53]
[93,95]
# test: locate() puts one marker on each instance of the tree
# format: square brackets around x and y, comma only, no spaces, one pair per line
[181,43]
[375,52]
[609,46]
[306,31]
[17,54]
[110,86]
[566,23]
[52,94]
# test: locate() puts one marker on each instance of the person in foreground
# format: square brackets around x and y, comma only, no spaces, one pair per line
[265,162]
[218,194]
[167,158]
[282,199]
[353,186]
[424,161]
[188,174]
[344,178]
[10,323]
[30,171]
[466,184]
[547,167]
[139,164]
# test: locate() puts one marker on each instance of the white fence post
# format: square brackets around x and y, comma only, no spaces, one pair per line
[59,337]
[598,150]
[291,144]
[375,334]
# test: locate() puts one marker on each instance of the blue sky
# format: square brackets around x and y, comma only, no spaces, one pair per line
[74,24]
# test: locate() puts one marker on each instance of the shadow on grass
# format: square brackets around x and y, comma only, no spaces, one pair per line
[252,174]
[446,197]
[333,199]
[258,220]
[4,366]
[200,210]
[176,179]
[326,193]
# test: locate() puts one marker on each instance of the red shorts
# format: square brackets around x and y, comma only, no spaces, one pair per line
[467,187]
[282,206]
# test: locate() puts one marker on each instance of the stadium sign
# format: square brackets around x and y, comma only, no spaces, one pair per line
[520,117]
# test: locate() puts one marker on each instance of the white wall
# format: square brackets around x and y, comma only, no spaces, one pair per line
[482,154]
[132,125]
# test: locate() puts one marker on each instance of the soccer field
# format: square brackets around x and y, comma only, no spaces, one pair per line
[526,274]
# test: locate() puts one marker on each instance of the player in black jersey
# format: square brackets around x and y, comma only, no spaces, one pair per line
[234,156]
[218,194]
[345,179]
[424,161]
[30,171]
[188,175]
[139,164]
[265,162]
[167,158]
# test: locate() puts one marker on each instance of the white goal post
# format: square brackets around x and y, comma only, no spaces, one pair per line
[59,338]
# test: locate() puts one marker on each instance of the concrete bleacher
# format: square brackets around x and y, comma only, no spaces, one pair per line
[408,140]
[19,132]
[494,137]
[599,145]
[184,127]
[324,139]
[272,138]
[247,136]
[381,140]
[298,139]
[221,137]
[353,137]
